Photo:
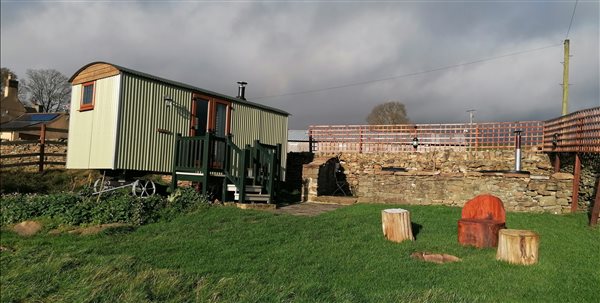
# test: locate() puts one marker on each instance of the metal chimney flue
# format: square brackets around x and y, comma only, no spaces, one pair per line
[242,90]
[518,150]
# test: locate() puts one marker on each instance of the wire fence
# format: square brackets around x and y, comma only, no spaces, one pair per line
[424,137]
[576,132]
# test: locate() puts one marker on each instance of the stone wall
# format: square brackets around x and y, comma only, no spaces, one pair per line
[449,178]
[518,192]
[293,175]
[590,175]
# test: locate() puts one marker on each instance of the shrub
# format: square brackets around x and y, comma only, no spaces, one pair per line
[112,207]
[183,200]
[15,208]
[147,210]
[50,181]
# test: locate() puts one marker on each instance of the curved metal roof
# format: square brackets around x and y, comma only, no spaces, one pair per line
[179,84]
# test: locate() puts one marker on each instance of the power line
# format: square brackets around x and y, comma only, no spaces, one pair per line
[571,23]
[405,75]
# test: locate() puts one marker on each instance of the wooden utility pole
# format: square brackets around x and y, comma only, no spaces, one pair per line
[565,100]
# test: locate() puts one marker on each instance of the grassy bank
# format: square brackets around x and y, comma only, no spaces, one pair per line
[232,255]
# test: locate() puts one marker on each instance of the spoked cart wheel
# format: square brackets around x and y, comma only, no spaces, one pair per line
[99,186]
[143,188]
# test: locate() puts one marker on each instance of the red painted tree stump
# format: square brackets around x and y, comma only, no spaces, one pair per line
[482,219]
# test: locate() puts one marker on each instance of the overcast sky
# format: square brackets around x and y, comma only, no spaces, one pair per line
[281,48]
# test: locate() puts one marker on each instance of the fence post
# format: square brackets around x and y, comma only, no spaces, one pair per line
[42,146]
[476,136]
[556,162]
[175,161]
[243,174]
[360,140]
[576,179]
[596,208]
[310,141]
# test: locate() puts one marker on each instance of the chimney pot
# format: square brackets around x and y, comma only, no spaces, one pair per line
[11,87]
[242,90]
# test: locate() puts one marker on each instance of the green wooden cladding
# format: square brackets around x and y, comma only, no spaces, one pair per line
[141,146]
[249,124]
[131,128]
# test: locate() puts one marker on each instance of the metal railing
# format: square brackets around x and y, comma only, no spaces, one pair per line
[404,138]
[575,132]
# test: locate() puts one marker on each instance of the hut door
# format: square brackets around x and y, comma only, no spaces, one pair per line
[199,116]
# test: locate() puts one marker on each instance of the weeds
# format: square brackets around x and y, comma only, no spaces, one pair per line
[113,207]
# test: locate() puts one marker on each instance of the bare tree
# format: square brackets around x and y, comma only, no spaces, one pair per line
[392,112]
[48,88]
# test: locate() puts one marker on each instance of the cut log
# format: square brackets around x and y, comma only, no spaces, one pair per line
[518,246]
[435,258]
[396,224]
[479,232]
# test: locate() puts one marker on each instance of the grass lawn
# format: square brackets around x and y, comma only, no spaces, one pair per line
[232,255]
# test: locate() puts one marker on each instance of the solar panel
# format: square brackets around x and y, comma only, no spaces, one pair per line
[18,124]
[38,117]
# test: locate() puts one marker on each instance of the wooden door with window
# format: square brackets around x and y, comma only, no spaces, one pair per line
[200,113]
[211,115]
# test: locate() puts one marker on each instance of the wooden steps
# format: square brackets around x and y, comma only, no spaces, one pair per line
[253,197]
[253,193]
[205,158]
[249,188]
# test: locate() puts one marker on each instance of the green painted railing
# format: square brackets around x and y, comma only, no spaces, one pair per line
[191,157]
[197,158]
[266,163]
[235,167]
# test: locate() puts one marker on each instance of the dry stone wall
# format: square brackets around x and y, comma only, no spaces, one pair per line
[535,193]
[590,174]
[448,178]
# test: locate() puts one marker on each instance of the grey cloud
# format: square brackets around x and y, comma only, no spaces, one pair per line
[289,47]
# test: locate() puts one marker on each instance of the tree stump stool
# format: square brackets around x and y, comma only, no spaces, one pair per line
[482,218]
[396,224]
[518,246]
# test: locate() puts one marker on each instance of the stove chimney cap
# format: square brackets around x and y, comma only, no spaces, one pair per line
[242,90]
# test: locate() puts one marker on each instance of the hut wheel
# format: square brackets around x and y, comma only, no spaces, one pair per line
[98,186]
[143,188]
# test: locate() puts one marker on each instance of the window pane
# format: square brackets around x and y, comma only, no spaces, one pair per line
[88,95]
[201,116]
[221,120]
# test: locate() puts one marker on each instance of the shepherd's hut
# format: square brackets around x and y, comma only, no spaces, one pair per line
[126,121]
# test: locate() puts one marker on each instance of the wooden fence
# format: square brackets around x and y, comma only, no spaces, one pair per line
[576,132]
[40,158]
[404,138]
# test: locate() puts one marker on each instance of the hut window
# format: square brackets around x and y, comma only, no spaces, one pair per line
[87,96]
[221,120]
